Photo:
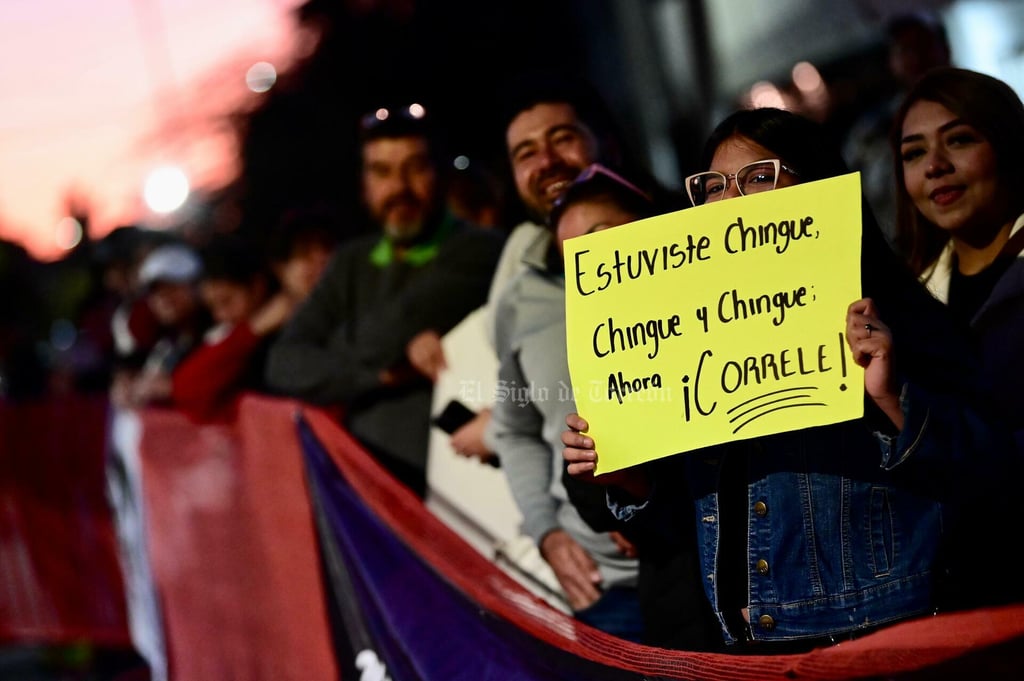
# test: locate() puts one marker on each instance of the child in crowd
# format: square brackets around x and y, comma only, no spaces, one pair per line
[154,337]
[240,293]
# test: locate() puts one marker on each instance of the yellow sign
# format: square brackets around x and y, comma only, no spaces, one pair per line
[716,323]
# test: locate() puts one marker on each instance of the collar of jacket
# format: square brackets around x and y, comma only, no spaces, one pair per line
[542,255]
[383,254]
[938,274]
[937,277]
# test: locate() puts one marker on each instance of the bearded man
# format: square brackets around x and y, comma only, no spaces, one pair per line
[422,273]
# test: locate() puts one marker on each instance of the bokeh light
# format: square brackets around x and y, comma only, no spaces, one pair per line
[166,189]
[764,94]
[68,233]
[812,90]
[261,76]
[806,77]
[63,334]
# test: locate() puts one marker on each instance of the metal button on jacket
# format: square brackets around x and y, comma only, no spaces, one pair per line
[762,567]
[766,622]
[761,509]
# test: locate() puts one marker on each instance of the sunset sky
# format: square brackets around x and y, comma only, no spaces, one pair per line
[99,92]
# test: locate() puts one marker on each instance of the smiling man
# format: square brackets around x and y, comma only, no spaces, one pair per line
[423,272]
[554,130]
[548,146]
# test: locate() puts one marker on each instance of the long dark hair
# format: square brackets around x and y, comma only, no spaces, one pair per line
[806,147]
[919,322]
[799,142]
[992,108]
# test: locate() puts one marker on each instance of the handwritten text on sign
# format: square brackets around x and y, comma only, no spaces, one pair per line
[716,323]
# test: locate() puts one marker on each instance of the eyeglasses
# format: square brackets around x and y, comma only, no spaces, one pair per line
[412,112]
[759,176]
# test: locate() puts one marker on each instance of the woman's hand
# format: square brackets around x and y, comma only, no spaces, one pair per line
[581,457]
[579,449]
[871,343]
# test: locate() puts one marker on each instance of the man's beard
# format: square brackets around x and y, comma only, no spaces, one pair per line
[403,233]
[536,214]
[407,227]
[540,208]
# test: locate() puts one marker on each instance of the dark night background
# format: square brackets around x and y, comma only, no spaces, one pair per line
[452,56]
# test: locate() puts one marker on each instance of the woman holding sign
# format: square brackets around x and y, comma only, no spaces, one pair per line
[813,536]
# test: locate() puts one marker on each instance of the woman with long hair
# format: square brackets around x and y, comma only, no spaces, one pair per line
[809,537]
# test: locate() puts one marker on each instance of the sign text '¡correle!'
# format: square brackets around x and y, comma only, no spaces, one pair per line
[734,374]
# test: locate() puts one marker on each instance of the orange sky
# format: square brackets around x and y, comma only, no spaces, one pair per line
[86,85]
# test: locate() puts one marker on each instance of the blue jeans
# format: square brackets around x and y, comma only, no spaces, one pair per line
[616,612]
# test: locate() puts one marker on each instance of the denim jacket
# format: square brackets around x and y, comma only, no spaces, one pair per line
[847,530]
[835,542]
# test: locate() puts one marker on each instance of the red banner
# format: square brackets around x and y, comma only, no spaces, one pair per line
[59,575]
[232,547]
[235,562]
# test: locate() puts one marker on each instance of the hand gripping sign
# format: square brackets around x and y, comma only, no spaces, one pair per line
[716,323]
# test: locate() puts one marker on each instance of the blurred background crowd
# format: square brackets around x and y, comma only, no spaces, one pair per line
[177,300]
[668,68]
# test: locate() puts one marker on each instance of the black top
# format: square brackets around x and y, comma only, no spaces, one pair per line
[968,292]
[733,562]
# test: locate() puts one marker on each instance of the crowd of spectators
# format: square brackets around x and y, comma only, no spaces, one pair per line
[160,319]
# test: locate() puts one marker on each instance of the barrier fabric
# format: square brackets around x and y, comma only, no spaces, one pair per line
[232,547]
[429,607]
[401,619]
[59,576]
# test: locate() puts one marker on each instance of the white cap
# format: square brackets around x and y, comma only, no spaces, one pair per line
[174,263]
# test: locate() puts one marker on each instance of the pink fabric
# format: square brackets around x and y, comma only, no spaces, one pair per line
[232,546]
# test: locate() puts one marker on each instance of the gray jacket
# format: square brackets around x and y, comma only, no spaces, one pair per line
[533,398]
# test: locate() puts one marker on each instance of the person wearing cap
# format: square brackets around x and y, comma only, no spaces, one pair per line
[422,272]
[167,277]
